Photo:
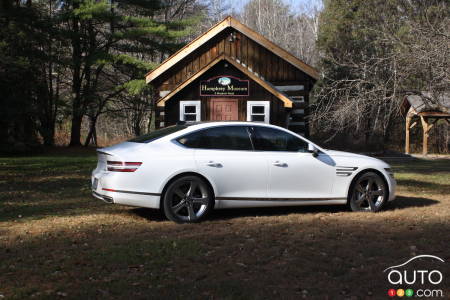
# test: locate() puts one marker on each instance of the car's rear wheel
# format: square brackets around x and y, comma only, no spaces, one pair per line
[369,193]
[188,199]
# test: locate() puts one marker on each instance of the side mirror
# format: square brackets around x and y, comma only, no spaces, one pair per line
[313,150]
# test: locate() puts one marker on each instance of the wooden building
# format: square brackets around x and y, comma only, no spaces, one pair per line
[233,73]
[428,109]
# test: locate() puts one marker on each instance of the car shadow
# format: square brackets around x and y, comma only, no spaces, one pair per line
[401,202]
[437,188]
[150,214]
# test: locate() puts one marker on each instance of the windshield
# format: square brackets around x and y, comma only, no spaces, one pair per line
[154,135]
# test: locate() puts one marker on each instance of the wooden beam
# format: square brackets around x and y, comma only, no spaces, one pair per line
[425,135]
[263,83]
[161,102]
[275,49]
[408,127]
[434,114]
[186,50]
[432,124]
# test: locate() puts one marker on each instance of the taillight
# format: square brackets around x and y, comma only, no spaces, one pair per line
[120,166]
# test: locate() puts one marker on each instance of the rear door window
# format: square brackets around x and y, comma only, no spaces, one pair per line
[157,134]
[219,138]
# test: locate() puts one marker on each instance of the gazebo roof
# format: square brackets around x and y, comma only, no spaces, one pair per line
[427,102]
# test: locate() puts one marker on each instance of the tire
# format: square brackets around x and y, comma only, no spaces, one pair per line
[188,199]
[368,193]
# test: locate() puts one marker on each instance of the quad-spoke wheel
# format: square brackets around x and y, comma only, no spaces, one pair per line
[369,193]
[188,199]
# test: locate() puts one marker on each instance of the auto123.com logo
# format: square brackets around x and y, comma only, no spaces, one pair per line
[419,277]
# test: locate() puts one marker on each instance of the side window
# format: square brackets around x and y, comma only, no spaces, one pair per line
[271,139]
[190,111]
[258,111]
[220,138]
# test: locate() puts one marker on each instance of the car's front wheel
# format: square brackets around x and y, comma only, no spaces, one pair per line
[369,193]
[188,199]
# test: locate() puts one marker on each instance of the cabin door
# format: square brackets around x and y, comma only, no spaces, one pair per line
[224,109]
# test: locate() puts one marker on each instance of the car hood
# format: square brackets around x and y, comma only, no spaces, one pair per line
[346,156]
[336,153]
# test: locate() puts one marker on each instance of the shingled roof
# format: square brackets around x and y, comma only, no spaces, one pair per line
[427,102]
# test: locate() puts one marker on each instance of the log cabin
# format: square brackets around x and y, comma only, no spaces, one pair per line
[231,72]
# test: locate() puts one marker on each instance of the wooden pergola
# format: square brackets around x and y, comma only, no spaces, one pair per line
[428,110]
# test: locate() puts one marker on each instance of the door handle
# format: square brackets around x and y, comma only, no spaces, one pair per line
[280,164]
[213,164]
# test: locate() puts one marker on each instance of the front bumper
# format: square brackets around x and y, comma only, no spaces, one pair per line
[392,187]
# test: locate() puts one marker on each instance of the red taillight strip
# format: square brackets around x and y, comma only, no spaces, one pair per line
[131,192]
[121,170]
[114,163]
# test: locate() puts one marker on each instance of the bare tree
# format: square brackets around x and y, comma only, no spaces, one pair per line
[294,29]
[371,63]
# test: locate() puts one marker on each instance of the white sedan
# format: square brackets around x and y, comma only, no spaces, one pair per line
[189,169]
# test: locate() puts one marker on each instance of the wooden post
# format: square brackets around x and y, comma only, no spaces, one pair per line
[408,122]
[425,135]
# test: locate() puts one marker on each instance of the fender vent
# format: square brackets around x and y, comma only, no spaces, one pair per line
[345,171]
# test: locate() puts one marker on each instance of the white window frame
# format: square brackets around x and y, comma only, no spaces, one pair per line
[197,104]
[266,105]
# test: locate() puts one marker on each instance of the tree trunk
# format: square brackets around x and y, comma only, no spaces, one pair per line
[48,134]
[92,134]
[75,132]
[77,114]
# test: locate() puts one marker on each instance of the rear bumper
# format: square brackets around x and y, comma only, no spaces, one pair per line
[105,198]
[100,180]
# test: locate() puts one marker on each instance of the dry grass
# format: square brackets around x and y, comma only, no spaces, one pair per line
[58,241]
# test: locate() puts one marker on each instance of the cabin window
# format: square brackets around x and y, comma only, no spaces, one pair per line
[190,111]
[258,111]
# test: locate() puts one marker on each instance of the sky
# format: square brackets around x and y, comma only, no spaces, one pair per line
[239,4]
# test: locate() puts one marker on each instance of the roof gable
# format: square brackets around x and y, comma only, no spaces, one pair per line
[220,27]
[266,85]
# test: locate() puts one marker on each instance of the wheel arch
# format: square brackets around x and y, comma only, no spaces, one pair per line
[187,173]
[362,172]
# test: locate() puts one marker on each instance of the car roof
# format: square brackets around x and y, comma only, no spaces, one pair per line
[194,126]
[207,124]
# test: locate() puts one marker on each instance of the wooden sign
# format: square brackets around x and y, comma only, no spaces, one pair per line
[224,85]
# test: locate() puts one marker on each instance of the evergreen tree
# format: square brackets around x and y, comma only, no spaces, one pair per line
[113,39]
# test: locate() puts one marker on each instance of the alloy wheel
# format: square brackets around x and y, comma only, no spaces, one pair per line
[187,199]
[369,193]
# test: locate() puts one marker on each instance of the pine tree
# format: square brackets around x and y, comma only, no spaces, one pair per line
[114,40]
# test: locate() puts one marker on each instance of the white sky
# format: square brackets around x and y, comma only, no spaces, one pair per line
[238,4]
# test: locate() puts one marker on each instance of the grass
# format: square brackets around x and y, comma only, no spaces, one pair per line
[59,242]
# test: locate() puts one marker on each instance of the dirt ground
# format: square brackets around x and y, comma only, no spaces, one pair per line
[57,241]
